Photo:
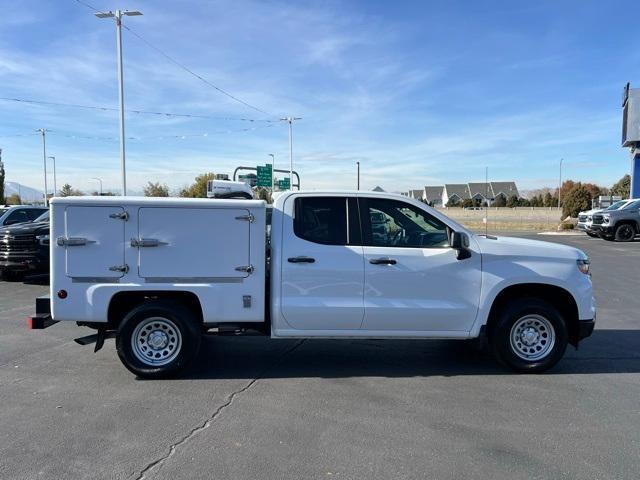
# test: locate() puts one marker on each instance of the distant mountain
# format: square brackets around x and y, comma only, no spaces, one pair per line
[27,194]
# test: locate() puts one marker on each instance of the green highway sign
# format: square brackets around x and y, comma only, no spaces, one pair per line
[284,184]
[264,175]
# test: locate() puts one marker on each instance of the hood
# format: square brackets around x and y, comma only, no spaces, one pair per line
[25,228]
[591,212]
[523,247]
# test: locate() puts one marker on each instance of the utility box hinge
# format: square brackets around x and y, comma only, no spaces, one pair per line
[246,268]
[249,218]
[120,216]
[120,268]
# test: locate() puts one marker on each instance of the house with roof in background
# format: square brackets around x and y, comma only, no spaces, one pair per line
[417,194]
[455,193]
[480,192]
[433,195]
[504,189]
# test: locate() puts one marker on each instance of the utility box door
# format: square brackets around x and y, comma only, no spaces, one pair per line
[94,242]
[193,243]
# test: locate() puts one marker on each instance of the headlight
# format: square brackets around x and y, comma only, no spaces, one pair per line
[583,265]
[605,219]
[43,239]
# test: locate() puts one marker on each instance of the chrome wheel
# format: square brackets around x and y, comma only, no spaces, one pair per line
[532,337]
[156,341]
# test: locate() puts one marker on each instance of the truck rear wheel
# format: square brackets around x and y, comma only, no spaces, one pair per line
[529,336]
[158,339]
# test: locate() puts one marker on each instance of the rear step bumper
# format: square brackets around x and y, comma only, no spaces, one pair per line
[42,318]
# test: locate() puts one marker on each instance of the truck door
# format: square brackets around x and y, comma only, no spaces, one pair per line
[94,242]
[413,281]
[322,264]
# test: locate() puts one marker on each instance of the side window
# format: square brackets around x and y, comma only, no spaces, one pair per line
[392,223]
[17,216]
[34,213]
[321,220]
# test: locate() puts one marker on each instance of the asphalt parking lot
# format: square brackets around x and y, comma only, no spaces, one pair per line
[259,408]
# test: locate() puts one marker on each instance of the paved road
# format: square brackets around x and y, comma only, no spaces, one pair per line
[255,408]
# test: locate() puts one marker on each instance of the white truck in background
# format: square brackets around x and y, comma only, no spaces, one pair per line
[157,274]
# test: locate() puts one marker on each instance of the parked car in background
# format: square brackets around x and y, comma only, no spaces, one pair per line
[621,225]
[12,214]
[585,219]
[24,248]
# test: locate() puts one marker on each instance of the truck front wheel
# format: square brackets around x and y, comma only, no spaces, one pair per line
[157,339]
[625,233]
[529,335]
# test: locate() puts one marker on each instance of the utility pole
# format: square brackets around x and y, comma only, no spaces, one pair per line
[99,180]
[290,121]
[560,183]
[43,131]
[118,17]
[55,187]
[273,172]
[358,184]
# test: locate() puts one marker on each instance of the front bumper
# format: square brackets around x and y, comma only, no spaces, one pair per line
[24,263]
[585,328]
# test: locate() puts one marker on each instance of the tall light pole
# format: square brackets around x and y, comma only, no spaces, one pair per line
[55,185]
[290,121]
[560,183]
[118,16]
[273,171]
[99,180]
[43,132]
[358,184]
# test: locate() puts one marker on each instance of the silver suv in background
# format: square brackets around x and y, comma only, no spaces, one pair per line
[585,219]
[621,225]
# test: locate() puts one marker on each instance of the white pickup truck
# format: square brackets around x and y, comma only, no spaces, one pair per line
[157,274]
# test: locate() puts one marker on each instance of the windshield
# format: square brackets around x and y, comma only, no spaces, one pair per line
[43,218]
[617,205]
[632,205]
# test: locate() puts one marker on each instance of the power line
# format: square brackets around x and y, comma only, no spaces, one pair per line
[182,66]
[188,70]
[141,112]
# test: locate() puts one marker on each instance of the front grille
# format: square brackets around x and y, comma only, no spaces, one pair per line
[582,218]
[597,219]
[18,243]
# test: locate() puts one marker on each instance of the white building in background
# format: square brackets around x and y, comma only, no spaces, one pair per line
[439,196]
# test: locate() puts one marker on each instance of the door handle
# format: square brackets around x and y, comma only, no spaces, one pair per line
[301,260]
[382,261]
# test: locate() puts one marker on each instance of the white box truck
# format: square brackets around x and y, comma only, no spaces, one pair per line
[157,274]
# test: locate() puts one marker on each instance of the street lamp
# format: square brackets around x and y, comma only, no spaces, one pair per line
[358,163]
[99,180]
[55,188]
[118,16]
[43,132]
[273,171]
[290,121]
[560,183]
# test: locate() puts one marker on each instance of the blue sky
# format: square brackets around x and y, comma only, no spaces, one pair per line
[420,92]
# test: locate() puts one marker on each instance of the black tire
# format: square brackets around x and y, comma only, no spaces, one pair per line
[174,330]
[531,315]
[12,276]
[625,233]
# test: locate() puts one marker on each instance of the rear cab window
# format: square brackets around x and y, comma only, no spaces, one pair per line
[327,220]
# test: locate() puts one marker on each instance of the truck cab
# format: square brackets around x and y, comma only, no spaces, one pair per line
[158,273]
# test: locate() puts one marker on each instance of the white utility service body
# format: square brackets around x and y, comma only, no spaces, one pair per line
[342,265]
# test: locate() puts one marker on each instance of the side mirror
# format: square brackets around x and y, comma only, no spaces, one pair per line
[460,243]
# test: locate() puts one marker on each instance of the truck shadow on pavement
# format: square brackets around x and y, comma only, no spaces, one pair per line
[607,351]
